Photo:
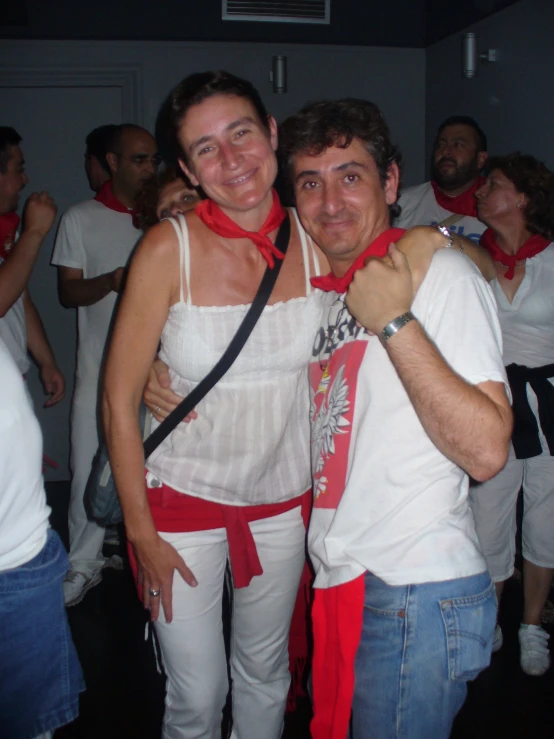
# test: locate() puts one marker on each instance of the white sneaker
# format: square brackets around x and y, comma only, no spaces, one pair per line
[534,656]
[115,562]
[498,639]
[77,584]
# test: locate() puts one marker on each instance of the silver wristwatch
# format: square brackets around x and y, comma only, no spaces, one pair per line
[395,325]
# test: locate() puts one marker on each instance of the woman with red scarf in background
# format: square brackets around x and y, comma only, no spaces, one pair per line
[516,202]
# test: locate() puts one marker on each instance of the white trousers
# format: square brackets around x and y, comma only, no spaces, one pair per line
[86,538]
[494,508]
[192,644]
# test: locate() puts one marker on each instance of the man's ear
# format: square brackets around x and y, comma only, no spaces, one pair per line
[111,158]
[392,183]
[188,172]
[482,157]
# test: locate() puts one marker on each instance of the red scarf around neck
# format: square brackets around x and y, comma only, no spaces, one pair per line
[531,248]
[464,204]
[378,248]
[9,223]
[215,219]
[106,197]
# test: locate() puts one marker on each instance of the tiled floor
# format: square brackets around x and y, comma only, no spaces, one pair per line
[124,697]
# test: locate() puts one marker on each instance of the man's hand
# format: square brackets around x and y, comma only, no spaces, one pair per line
[53,383]
[39,213]
[158,396]
[381,292]
[117,279]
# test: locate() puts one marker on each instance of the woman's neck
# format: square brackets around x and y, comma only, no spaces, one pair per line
[510,237]
[254,218]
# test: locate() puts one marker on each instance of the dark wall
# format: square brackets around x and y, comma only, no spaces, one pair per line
[512,99]
[353,22]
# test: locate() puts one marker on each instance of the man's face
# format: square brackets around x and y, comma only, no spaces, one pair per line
[12,181]
[135,162]
[457,160]
[341,201]
[96,174]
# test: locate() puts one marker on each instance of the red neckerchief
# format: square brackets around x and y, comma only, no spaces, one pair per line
[216,220]
[9,224]
[378,248]
[531,248]
[106,197]
[464,204]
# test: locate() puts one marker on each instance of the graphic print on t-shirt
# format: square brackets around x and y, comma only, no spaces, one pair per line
[333,373]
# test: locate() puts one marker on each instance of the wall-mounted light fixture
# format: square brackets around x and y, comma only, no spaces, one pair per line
[278,74]
[471,56]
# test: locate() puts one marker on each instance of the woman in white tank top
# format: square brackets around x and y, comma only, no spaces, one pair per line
[231,484]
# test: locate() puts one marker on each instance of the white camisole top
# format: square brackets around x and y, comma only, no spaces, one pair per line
[250,444]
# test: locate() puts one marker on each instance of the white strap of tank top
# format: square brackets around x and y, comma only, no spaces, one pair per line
[182,232]
[305,255]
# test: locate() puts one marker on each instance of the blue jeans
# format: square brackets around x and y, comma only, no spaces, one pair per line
[40,675]
[420,645]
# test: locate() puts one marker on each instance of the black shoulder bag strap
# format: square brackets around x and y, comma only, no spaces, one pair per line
[232,351]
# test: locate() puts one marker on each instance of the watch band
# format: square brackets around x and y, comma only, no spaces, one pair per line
[395,325]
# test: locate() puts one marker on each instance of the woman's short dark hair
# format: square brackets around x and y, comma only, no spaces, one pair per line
[196,88]
[326,123]
[532,178]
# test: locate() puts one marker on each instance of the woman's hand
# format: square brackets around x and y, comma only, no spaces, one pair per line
[419,244]
[157,561]
[158,396]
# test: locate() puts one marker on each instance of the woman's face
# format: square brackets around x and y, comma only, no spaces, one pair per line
[498,198]
[230,153]
[175,198]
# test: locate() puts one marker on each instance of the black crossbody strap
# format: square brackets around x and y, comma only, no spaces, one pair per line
[232,351]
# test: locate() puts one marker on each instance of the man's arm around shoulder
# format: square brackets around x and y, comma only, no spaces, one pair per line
[469,424]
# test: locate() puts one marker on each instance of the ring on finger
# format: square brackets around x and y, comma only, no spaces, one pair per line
[154,593]
[158,409]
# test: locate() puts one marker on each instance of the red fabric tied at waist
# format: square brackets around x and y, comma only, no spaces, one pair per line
[337,618]
[175,512]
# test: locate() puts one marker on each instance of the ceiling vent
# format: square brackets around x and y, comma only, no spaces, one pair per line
[277,11]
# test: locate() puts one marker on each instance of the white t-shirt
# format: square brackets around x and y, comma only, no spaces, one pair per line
[386,499]
[23,510]
[13,332]
[97,240]
[420,208]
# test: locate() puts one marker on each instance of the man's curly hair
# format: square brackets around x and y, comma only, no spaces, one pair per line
[533,179]
[322,124]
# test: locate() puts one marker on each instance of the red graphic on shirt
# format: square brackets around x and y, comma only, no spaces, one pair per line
[333,399]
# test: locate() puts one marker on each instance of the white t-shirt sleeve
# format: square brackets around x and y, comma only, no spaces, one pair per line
[68,249]
[461,317]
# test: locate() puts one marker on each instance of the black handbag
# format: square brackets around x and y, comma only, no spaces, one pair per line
[100,499]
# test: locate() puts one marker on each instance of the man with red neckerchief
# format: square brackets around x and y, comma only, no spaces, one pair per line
[459,155]
[408,397]
[94,242]
[20,325]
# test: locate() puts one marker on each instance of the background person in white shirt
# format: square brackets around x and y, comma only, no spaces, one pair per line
[40,676]
[20,325]
[95,240]
[517,204]
[459,154]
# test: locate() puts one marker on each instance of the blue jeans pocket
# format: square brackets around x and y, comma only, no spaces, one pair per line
[469,624]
